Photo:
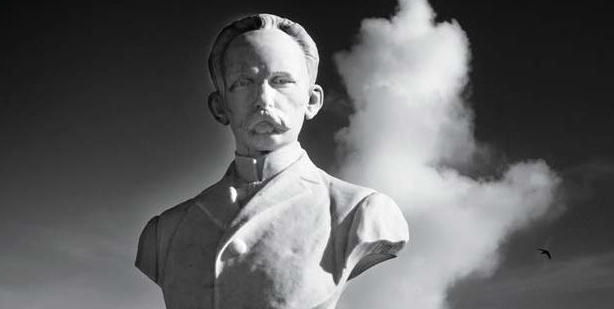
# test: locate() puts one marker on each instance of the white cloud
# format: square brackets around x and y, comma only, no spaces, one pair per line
[405,77]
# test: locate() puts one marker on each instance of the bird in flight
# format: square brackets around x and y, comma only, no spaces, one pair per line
[546,252]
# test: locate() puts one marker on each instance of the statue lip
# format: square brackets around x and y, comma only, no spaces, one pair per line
[266,127]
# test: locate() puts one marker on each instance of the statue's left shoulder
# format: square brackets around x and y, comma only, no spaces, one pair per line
[378,231]
[344,196]
[370,226]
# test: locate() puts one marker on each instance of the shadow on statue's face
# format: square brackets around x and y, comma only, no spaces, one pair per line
[267,92]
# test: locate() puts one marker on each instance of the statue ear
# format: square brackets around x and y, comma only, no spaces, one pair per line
[316,99]
[216,106]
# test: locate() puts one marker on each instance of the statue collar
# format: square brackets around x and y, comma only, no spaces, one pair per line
[249,169]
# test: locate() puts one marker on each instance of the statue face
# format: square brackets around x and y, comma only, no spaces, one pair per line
[267,92]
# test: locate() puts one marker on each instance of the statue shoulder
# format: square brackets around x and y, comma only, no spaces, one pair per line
[344,196]
[174,213]
[166,223]
[154,239]
[369,227]
[158,232]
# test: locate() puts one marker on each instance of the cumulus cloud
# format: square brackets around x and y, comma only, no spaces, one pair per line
[405,76]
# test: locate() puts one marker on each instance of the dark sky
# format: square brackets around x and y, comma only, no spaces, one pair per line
[103,123]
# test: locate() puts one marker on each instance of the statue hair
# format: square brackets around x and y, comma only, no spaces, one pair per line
[257,22]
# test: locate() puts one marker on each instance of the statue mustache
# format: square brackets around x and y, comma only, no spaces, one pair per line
[271,116]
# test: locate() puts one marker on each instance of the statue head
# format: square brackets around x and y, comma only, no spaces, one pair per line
[264,69]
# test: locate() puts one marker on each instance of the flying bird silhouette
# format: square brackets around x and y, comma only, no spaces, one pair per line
[546,252]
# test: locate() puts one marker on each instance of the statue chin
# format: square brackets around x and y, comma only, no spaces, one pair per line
[266,141]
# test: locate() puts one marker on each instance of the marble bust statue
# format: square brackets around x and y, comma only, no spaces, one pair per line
[276,231]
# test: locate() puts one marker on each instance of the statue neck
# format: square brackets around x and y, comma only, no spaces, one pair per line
[255,169]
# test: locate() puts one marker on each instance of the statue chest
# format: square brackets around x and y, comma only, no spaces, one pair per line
[282,257]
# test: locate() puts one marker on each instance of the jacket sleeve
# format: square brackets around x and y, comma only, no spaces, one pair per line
[377,233]
[146,256]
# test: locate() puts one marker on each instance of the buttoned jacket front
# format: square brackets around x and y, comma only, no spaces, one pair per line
[293,245]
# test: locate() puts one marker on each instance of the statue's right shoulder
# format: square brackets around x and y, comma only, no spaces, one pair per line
[155,238]
[170,218]
[146,255]
[173,214]
[158,233]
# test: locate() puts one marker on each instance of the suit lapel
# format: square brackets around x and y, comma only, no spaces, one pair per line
[217,203]
[287,186]
[281,188]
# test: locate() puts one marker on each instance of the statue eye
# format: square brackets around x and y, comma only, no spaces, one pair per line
[283,80]
[241,82]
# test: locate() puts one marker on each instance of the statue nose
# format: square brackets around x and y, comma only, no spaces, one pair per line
[265,97]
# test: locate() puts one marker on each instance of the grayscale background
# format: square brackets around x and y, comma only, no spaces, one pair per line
[104,123]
